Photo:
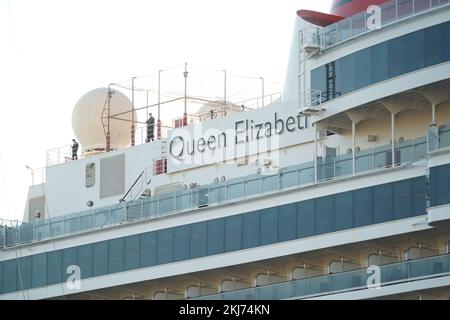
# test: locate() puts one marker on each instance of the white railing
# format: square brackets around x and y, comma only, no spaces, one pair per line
[391,12]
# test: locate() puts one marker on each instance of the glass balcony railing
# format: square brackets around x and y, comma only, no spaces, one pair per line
[390,274]
[232,190]
[391,12]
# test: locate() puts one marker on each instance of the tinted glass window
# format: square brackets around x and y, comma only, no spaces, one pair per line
[69,258]
[25,268]
[165,245]
[250,233]
[132,247]
[306,219]
[116,255]
[434,45]
[324,215]
[343,211]
[382,203]
[363,68]
[85,261]
[100,258]
[198,240]
[403,199]
[379,62]
[54,267]
[233,233]
[415,51]
[269,226]
[181,243]
[148,249]
[216,236]
[9,278]
[419,196]
[348,71]
[287,222]
[363,205]
[396,57]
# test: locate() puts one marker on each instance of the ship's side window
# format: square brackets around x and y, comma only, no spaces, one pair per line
[90,175]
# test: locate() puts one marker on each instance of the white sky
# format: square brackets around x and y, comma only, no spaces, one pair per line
[54,51]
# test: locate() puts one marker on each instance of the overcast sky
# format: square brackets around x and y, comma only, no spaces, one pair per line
[54,51]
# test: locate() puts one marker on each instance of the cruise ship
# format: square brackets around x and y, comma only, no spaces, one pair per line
[337,188]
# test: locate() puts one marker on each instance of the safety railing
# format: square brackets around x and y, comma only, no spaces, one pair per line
[390,274]
[228,191]
[391,12]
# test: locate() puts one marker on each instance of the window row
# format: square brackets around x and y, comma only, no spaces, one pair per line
[341,211]
[440,185]
[386,60]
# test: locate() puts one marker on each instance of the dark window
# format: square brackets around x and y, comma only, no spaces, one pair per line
[343,211]
[132,247]
[348,71]
[198,240]
[379,62]
[250,233]
[434,45]
[148,249]
[269,226]
[165,245]
[415,51]
[419,196]
[233,233]
[85,261]
[9,278]
[116,255]
[25,269]
[100,258]
[403,199]
[389,59]
[181,243]
[69,258]
[324,215]
[396,57]
[306,219]
[363,205]
[216,236]
[363,68]
[287,222]
[382,203]
[54,267]
[440,185]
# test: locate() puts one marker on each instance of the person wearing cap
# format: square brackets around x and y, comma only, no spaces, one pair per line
[150,128]
[74,149]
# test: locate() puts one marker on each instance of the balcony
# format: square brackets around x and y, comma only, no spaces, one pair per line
[391,12]
[390,274]
[230,191]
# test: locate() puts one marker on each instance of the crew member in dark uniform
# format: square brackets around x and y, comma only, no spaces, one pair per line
[150,128]
[74,149]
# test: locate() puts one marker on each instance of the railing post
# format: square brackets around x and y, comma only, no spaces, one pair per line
[243,188]
[174,201]
[158,205]
[226,191]
[142,209]
[298,176]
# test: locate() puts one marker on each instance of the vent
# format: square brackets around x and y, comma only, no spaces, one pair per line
[112,176]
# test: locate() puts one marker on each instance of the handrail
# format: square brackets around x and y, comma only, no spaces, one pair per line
[383,268]
[289,178]
[132,186]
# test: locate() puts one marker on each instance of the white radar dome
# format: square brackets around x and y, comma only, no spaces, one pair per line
[217,109]
[87,120]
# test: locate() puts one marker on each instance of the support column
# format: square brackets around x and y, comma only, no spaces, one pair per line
[393,138]
[433,114]
[353,147]
[315,152]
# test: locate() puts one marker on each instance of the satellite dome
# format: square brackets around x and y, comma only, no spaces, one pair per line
[87,120]
[216,109]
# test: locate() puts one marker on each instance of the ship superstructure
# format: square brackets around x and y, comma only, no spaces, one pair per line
[339,186]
